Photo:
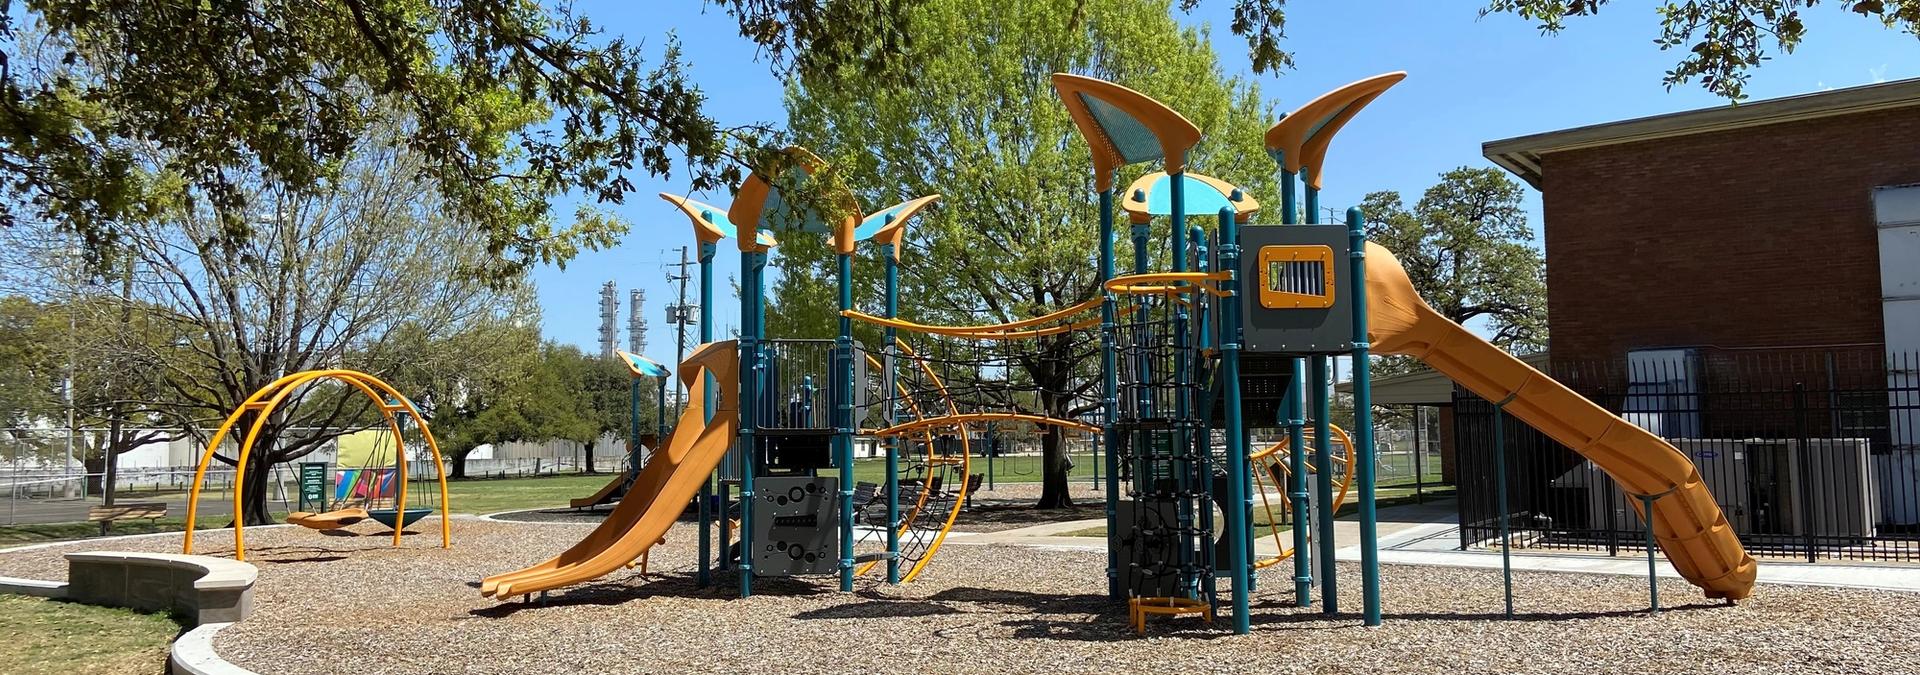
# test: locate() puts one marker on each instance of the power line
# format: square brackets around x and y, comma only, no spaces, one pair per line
[679,315]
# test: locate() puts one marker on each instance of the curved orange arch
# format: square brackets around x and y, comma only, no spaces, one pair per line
[966,464]
[1259,484]
[264,401]
[926,484]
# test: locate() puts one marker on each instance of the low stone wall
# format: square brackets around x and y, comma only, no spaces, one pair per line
[199,589]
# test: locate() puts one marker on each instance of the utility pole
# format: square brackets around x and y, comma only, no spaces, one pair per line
[679,315]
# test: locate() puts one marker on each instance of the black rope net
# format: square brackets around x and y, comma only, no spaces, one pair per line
[1163,447]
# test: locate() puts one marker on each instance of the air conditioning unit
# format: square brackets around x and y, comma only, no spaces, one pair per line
[1762,485]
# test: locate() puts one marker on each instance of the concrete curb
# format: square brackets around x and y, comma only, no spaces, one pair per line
[33,587]
[193,653]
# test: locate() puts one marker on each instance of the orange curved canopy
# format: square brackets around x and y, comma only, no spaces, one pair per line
[1301,138]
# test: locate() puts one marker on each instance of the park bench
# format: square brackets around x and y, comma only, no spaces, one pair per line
[128,511]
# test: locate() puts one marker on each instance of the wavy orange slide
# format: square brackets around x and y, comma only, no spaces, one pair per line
[659,494]
[1689,525]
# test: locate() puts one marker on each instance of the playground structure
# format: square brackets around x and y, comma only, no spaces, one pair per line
[639,445]
[1214,334]
[372,492]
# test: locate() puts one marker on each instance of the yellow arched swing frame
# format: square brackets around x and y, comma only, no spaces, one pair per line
[267,399]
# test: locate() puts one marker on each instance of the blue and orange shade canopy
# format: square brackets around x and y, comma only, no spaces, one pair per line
[710,223]
[889,225]
[1123,126]
[1152,195]
[760,202]
[642,366]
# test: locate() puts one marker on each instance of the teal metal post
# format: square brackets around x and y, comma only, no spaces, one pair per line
[1141,231]
[1202,421]
[889,387]
[1109,387]
[634,455]
[1239,499]
[1323,484]
[1294,407]
[1363,420]
[1653,569]
[1182,408]
[1500,501]
[843,420]
[704,577]
[1320,381]
[660,427]
[753,265]
[1312,207]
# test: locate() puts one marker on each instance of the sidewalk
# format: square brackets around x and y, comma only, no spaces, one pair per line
[1425,534]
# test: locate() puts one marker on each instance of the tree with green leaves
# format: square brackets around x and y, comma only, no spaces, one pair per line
[596,400]
[65,363]
[1724,40]
[324,275]
[514,103]
[468,406]
[1015,235]
[30,378]
[511,104]
[1470,252]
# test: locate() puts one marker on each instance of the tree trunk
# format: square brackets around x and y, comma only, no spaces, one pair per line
[253,490]
[589,451]
[460,463]
[1054,490]
[95,466]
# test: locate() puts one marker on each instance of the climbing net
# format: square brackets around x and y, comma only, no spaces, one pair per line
[1164,447]
[945,393]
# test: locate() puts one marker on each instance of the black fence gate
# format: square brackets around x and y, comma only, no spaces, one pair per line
[1810,454]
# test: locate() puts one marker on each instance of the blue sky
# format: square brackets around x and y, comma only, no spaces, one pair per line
[1470,80]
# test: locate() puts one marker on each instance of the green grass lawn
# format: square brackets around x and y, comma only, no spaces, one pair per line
[50,636]
[511,494]
[21,535]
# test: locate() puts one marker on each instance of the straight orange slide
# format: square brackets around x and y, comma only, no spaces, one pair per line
[659,494]
[615,489]
[1689,525]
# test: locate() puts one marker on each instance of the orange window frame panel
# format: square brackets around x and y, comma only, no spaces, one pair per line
[1272,297]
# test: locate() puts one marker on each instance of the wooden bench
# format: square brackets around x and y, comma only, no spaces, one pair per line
[128,511]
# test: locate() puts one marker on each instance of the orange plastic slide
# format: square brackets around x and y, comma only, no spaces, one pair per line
[659,494]
[615,489]
[605,494]
[1687,522]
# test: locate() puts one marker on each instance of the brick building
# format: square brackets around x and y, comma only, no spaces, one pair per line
[1743,281]
[1733,227]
